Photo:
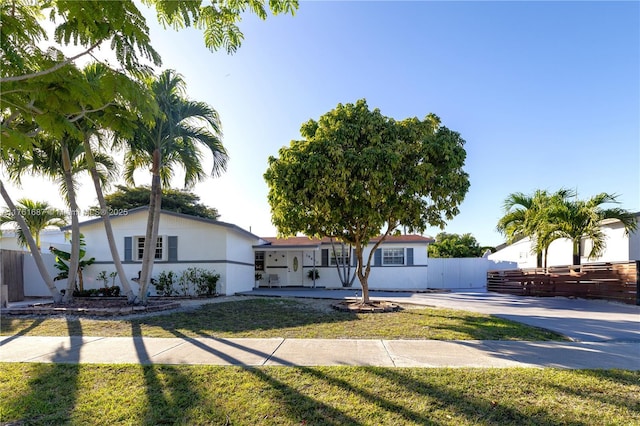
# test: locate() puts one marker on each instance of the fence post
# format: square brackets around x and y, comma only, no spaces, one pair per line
[637,282]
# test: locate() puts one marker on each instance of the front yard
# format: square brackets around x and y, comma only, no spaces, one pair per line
[300,318]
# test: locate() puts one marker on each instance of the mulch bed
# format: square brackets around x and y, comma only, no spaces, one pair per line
[372,307]
[104,307]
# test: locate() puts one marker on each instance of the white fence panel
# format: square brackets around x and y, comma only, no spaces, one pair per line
[462,273]
[34,285]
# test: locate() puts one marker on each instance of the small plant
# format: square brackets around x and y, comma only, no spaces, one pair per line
[102,276]
[258,276]
[165,283]
[313,274]
[113,276]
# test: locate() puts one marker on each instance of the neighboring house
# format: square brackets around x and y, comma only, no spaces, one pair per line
[620,247]
[183,241]
[399,263]
[48,238]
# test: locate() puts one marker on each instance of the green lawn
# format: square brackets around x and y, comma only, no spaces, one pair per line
[289,319]
[54,394]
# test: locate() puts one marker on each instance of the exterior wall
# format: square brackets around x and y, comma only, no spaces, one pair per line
[381,277]
[201,244]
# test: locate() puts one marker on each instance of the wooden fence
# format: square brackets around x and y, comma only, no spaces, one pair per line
[610,281]
[11,267]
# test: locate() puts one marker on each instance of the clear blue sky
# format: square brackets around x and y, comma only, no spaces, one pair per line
[546,94]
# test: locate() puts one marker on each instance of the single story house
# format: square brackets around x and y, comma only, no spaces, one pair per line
[400,262]
[620,247]
[183,241]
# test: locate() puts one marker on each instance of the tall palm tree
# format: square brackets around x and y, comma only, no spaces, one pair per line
[582,219]
[38,216]
[115,116]
[530,216]
[172,140]
[61,160]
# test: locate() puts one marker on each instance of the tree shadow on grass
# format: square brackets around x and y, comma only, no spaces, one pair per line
[170,394]
[15,335]
[246,316]
[298,407]
[53,389]
[625,378]
[475,409]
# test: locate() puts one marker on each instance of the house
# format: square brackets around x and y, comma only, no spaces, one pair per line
[48,237]
[399,263]
[620,247]
[183,241]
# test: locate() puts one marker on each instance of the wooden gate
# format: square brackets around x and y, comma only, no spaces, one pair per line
[11,275]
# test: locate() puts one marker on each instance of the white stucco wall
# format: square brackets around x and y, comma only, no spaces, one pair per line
[224,249]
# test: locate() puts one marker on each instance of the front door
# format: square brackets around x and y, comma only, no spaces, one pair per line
[294,268]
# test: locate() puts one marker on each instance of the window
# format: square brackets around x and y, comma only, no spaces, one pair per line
[339,257]
[259,261]
[139,247]
[393,256]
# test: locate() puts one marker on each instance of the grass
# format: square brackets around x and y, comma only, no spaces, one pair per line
[45,394]
[289,319]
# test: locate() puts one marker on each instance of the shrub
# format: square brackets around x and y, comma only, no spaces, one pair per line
[313,272]
[165,283]
[203,281]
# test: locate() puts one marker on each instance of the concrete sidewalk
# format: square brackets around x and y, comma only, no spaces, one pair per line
[316,352]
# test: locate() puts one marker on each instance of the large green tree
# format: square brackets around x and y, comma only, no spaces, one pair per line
[45,93]
[455,245]
[358,174]
[172,141]
[176,200]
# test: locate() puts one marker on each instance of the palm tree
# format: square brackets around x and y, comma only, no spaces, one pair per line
[582,219]
[60,160]
[116,116]
[171,141]
[529,216]
[38,216]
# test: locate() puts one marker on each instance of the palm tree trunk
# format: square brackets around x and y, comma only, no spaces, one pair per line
[37,256]
[75,225]
[151,235]
[576,251]
[106,220]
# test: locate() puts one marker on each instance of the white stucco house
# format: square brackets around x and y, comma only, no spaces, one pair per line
[400,262]
[620,247]
[183,241]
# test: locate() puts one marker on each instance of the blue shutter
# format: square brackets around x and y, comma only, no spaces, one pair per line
[410,256]
[377,258]
[325,257]
[173,248]
[127,249]
[354,260]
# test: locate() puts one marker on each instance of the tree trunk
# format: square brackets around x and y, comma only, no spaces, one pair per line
[75,225]
[363,276]
[151,235]
[37,256]
[106,220]
[576,252]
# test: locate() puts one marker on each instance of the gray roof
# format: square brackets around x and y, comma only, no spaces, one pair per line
[174,214]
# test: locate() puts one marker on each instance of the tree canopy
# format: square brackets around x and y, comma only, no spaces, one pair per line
[455,245]
[357,171]
[179,201]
